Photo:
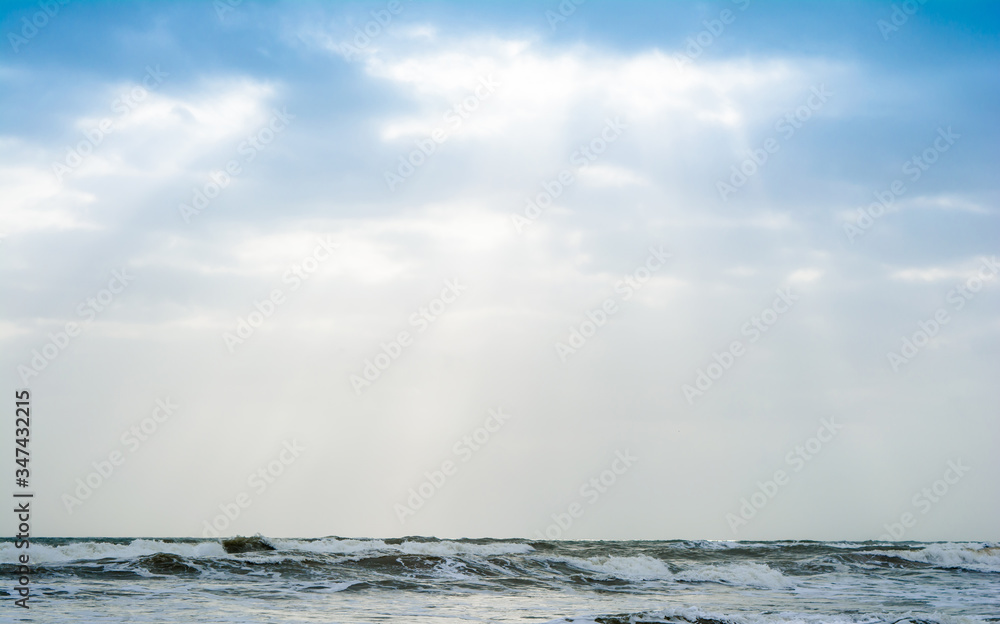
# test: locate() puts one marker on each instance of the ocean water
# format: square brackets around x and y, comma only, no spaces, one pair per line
[425,581]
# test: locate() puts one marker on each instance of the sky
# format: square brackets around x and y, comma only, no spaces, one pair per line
[589,270]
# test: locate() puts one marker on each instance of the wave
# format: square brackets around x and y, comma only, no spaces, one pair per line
[977,557]
[742,574]
[42,553]
[673,582]
[638,568]
[442,548]
[501,564]
[696,615]
[646,568]
[80,551]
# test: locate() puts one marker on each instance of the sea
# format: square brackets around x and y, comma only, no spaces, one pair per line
[438,581]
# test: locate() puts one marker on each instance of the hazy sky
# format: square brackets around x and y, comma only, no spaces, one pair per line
[281,260]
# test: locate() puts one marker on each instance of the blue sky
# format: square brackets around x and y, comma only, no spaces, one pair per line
[506,100]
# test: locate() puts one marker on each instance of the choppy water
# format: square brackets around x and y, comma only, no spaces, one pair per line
[426,581]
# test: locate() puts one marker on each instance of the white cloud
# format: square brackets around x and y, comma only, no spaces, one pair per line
[541,88]
[947,201]
[957,271]
[805,275]
[610,176]
[33,199]
[160,139]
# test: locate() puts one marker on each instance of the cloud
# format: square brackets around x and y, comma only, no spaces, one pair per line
[70,183]
[358,115]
